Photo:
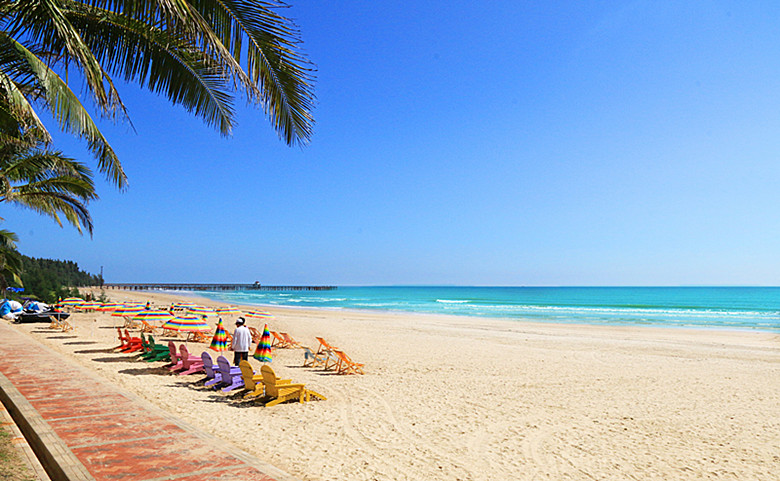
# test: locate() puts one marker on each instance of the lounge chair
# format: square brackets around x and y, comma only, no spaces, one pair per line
[198,336]
[65,326]
[311,359]
[254,382]
[279,341]
[154,351]
[231,376]
[125,341]
[133,343]
[190,363]
[284,392]
[175,363]
[324,346]
[148,328]
[347,365]
[212,375]
[256,335]
[290,341]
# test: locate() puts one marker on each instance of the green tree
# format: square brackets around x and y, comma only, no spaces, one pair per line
[191,51]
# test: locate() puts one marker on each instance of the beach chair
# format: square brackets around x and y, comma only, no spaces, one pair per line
[212,375]
[278,341]
[311,359]
[256,335]
[284,392]
[133,343]
[198,336]
[190,363]
[124,340]
[290,341]
[254,382]
[154,351]
[324,346]
[65,326]
[148,328]
[347,365]
[175,363]
[231,376]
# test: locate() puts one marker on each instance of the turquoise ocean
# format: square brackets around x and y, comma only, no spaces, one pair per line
[743,308]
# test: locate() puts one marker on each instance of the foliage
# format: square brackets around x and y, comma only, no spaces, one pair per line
[48,279]
[190,51]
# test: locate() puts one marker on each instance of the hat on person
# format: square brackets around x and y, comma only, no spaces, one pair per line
[240,321]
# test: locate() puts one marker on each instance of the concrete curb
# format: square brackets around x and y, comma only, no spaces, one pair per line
[55,457]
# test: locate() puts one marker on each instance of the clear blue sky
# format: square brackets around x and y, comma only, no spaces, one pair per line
[473,143]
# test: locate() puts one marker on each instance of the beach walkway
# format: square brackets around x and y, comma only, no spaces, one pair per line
[83,428]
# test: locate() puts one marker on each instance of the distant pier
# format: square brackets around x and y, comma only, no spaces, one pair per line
[213,287]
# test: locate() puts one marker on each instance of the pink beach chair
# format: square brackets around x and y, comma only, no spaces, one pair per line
[190,364]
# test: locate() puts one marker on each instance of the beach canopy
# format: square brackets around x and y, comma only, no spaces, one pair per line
[109,306]
[153,315]
[219,341]
[201,310]
[263,351]
[186,324]
[258,315]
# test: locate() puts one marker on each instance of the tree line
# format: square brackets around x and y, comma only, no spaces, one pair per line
[48,279]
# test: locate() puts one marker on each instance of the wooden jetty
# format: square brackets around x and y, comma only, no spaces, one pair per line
[212,287]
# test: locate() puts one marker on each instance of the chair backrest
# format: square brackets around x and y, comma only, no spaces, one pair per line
[184,355]
[255,334]
[247,375]
[208,365]
[119,332]
[269,381]
[224,368]
[343,356]
[324,345]
[174,354]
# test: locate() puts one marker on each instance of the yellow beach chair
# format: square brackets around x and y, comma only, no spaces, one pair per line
[285,392]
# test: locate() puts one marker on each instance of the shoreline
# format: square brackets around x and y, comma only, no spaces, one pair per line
[452,397]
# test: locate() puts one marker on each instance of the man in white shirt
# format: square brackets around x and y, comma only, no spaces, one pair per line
[242,340]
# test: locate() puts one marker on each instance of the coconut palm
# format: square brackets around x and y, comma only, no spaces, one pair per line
[10,260]
[188,50]
[46,181]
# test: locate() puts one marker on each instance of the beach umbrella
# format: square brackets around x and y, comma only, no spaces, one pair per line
[153,315]
[72,301]
[87,306]
[263,351]
[228,311]
[203,311]
[186,324]
[109,306]
[258,315]
[127,311]
[219,341]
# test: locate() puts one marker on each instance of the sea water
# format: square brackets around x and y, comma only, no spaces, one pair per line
[750,308]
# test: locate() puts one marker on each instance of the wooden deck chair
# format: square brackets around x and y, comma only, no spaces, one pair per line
[212,375]
[198,336]
[231,375]
[148,328]
[65,326]
[311,359]
[324,346]
[256,335]
[284,392]
[278,341]
[190,364]
[254,382]
[347,365]
[290,341]
[154,351]
[123,340]
[133,343]
[175,363]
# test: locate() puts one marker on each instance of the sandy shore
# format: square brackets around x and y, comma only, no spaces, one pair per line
[450,398]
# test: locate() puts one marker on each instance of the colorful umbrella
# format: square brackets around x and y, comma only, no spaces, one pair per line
[153,315]
[219,341]
[263,351]
[72,301]
[109,306]
[87,306]
[187,324]
[228,311]
[258,315]
[203,311]
[127,311]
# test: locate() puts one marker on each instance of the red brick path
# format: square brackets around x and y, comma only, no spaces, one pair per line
[112,433]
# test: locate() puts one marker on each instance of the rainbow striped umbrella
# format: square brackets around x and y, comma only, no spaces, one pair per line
[219,341]
[127,311]
[187,324]
[258,315]
[153,315]
[87,306]
[228,311]
[72,301]
[109,306]
[203,311]
[263,351]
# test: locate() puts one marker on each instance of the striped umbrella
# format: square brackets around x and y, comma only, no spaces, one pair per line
[258,315]
[219,341]
[203,311]
[228,311]
[127,311]
[87,306]
[187,324]
[153,315]
[109,306]
[72,301]
[263,351]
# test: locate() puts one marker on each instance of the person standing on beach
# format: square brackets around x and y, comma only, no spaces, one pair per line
[242,339]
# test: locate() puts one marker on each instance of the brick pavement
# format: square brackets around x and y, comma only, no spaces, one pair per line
[82,427]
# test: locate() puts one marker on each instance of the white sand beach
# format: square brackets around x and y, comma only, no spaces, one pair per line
[453,398]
